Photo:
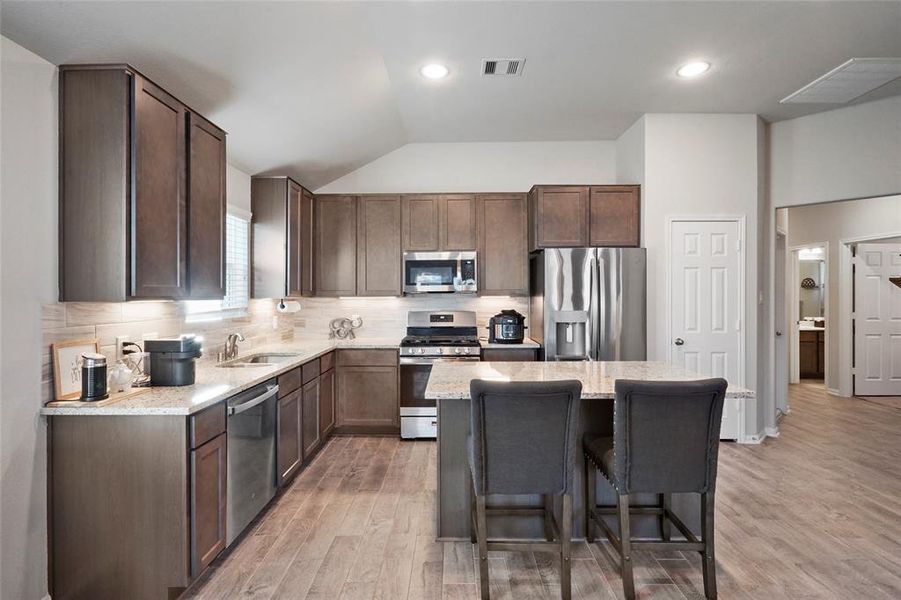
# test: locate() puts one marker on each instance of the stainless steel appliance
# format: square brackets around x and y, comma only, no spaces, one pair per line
[440,272]
[589,303]
[432,336]
[251,476]
[172,359]
[507,327]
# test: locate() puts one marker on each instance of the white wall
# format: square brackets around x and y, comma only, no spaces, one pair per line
[480,167]
[28,197]
[237,185]
[702,165]
[832,223]
[852,152]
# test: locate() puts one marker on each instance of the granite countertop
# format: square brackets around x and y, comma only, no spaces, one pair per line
[214,384]
[526,343]
[804,327]
[450,380]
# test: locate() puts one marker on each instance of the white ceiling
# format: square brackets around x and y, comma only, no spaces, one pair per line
[316,89]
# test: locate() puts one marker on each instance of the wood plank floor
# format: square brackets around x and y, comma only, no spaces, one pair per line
[812,514]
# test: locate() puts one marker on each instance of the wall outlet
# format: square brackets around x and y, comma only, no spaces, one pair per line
[121,340]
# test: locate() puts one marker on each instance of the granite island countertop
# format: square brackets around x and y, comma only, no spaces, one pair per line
[450,380]
[527,343]
[214,384]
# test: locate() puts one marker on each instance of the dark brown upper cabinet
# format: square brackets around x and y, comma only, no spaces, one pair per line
[420,222]
[378,245]
[133,163]
[433,222]
[335,246]
[282,238]
[503,241]
[207,209]
[615,215]
[558,216]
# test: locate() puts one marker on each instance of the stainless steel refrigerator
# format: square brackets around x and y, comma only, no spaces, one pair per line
[589,303]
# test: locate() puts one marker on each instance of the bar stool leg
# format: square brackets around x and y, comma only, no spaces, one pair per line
[566,548]
[590,482]
[482,534]
[473,524]
[625,538]
[548,515]
[664,521]
[708,562]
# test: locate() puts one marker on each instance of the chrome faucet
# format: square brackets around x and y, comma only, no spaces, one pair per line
[231,346]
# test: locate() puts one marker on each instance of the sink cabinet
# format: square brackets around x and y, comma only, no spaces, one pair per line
[812,354]
[142,191]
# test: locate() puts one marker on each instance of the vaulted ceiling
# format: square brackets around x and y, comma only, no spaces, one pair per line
[316,89]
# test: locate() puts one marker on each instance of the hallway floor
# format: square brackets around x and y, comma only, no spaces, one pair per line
[812,514]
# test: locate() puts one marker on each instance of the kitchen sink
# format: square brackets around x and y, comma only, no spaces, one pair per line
[260,359]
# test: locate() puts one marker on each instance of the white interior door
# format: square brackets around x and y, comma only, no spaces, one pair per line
[877,320]
[706,284]
[780,304]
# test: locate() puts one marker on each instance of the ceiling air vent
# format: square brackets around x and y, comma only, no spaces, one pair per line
[502,66]
[847,81]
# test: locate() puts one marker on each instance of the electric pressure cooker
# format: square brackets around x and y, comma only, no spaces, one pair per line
[506,327]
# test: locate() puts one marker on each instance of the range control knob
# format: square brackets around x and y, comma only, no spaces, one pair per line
[457,350]
[421,351]
[465,350]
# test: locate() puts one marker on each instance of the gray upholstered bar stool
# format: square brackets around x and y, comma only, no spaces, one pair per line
[524,441]
[665,440]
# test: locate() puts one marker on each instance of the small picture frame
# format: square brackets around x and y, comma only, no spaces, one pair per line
[67,366]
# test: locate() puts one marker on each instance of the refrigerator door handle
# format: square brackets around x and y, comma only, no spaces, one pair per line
[593,305]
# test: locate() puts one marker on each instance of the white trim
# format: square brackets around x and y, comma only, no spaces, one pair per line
[833,391]
[844,318]
[742,268]
[772,432]
[239,212]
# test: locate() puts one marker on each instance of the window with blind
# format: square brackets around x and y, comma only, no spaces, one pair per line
[237,273]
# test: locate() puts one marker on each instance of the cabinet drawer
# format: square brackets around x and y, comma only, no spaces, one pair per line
[326,362]
[509,354]
[367,358]
[206,425]
[289,381]
[310,371]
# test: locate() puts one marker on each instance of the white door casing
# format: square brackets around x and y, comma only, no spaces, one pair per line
[782,334]
[706,283]
[877,320]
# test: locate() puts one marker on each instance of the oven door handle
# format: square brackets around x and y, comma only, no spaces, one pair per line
[256,401]
[405,360]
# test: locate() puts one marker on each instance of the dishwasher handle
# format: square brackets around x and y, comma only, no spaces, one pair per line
[271,390]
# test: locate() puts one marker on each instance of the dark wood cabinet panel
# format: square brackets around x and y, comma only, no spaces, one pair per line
[509,354]
[159,240]
[457,222]
[295,194]
[326,403]
[289,443]
[559,216]
[336,245]
[615,215]
[367,358]
[206,209]
[310,418]
[367,397]
[208,502]
[206,425]
[503,253]
[811,354]
[378,246]
[307,286]
[141,191]
[420,222]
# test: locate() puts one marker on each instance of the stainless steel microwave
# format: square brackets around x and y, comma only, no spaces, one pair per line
[440,273]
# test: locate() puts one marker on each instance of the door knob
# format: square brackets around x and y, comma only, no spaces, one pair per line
[678,341]
[778,334]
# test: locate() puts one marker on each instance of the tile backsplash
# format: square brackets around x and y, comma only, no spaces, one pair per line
[382,318]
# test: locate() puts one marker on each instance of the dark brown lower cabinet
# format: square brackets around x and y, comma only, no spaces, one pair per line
[326,404]
[309,417]
[368,392]
[208,493]
[811,354]
[509,354]
[289,445]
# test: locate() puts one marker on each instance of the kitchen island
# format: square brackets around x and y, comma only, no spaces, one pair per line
[449,386]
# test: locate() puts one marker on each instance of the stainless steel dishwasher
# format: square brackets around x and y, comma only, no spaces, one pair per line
[251,478]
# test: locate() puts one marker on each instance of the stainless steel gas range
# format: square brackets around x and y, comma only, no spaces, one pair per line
[432,336]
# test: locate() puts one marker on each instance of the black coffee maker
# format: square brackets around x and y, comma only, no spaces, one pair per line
[507,327]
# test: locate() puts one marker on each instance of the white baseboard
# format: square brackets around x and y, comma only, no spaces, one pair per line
[832,391]
[755,438]
[772,432]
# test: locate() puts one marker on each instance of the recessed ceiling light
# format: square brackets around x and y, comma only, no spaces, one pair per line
[693,69]
[434,71]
